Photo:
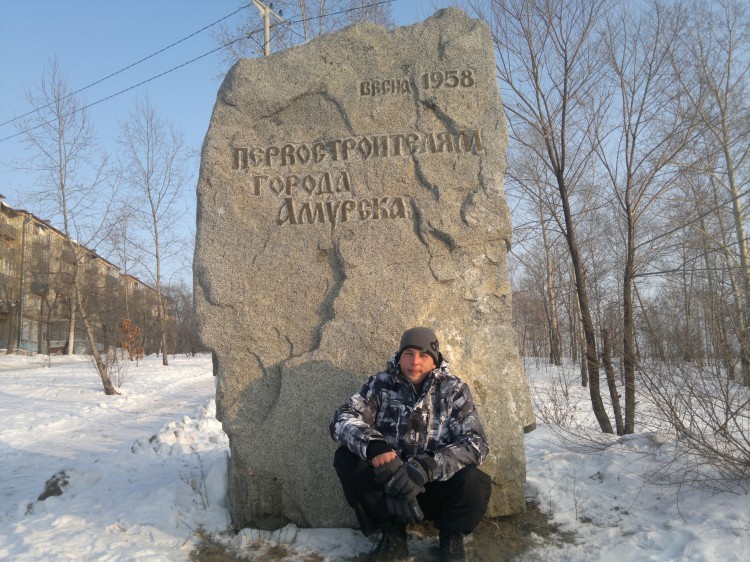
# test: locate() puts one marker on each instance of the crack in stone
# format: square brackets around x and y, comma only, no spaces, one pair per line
[325,310]
[442,44]
[322,93]
[442,237]
[419,173]
[423,181]
[205,288]
[291,345]
[417,225]
[340,108]
[446,119]
[263,249]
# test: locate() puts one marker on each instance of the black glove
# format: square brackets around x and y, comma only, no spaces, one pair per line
[406,509]
[385,472]
[395,481]
[421,469]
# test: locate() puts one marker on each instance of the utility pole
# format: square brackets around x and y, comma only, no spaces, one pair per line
[266,12]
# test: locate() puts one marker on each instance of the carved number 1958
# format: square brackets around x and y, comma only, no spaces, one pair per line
[448,79]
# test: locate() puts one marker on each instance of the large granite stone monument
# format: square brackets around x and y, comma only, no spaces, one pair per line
[352,188]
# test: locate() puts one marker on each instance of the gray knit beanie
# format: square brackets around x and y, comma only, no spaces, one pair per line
[422,339]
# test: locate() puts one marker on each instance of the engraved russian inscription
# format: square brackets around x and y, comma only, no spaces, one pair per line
[333,183]
[350,149]
[325,183]
[335,212]
[391,86]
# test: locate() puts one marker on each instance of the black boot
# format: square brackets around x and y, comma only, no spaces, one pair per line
[451,547]
[392,545]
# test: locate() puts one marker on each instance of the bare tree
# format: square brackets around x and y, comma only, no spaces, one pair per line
[638,144]
[548,66]
[544,263]
[187,342]
[711,60]
[303,21]
[120,241]
[537,204]
[71,187]
[154,165]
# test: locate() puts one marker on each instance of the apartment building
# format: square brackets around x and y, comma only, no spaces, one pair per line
[36,300]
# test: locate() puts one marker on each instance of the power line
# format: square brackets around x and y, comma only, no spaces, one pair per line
[683,269]
[152,55]
[695,219]
[247,35]
[687,262]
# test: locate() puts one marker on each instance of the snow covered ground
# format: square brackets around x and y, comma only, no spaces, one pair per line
[146,471]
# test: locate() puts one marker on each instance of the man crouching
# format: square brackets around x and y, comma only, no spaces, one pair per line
[411,441]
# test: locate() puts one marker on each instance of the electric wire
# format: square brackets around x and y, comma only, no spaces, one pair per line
[695,219]
[244,36]
[128,67]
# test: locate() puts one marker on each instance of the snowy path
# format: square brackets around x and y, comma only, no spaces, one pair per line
[59,419]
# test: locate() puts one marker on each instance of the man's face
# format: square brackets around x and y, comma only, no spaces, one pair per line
[416,364]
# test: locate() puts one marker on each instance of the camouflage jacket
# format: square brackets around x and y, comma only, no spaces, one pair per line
[442,420]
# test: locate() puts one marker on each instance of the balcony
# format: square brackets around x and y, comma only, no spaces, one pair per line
[7,231]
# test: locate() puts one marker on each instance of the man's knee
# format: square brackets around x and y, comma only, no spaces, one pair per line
[347,464]
[462,502]
[475,484]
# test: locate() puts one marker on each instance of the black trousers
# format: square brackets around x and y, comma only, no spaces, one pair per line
[455,505]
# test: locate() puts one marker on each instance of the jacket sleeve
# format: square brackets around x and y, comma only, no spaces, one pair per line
[353,423]
[469,442]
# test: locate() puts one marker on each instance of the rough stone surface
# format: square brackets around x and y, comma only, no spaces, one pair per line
[352,188]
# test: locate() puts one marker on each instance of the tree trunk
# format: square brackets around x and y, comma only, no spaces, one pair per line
[162,325]
[70,345]
[40,324]
[628,338]
[164,358]
[50,310]
[101,365]
[555,345]
[611,381]
[12,331]
[688,354]
[592,362]
[581,345]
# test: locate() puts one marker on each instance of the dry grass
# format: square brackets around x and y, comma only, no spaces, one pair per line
[501,539]
[211,549]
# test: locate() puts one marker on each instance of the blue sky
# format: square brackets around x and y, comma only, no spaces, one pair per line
[95,38]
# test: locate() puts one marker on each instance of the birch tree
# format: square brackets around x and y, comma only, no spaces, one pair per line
[711,60]
[72,187]
[153,165]
[535,185]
